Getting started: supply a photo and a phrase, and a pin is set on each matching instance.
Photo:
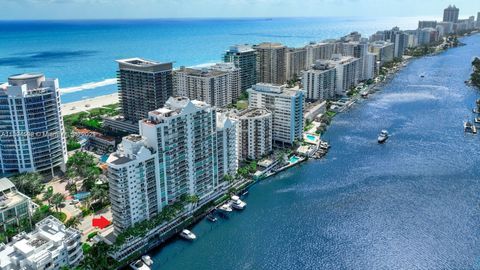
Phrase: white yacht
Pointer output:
(225, 207)
(237, 203)
(147, 260)
(469, 127)
(188, 235)
(139, 265)
(383, 136)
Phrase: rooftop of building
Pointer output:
(9, 195)
(253, 113)
(269, 45)
(48, 235)
(141, 64)
(240, 48)
(201, 71)
(173, 107)
(275, 89)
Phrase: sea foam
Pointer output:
(90, 85)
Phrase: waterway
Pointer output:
(412, 203)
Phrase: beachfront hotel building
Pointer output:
(143, 86)
(217, 85)
(286, 106)
(255, 133)
(133, 183)
(50, 246)
(243, 57)
(15, 207)
(319, 82)
(295, 62)
(450, 14)
(316, 51)
(271, 66)
(32, 132)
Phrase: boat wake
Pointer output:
(86, 86)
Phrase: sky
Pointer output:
(124, 9)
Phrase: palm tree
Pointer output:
(29, 183)
(73, 222)
(57, 200)
(47, 196)
(100, 194)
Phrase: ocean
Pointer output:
(412, 203)
(82, 54)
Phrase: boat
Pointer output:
(147, 260)
(139, 265)
(469, 127)
(186, 234)
(477, 120)
(383, 136)
(364, 94)
(245, 193)
(324, 145)
(211, 217)
(225, 208)
(476, 111)
(422, 76)
(237, 203)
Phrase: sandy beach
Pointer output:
(87, 104)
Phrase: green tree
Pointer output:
(29, 183)
(96, 258)
(47, 196)
(57, 200)
(73, 222)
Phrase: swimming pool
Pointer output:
(293, 159)
(310, 137)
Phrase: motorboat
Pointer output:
(225, 208)
(422, 75)
(147, 260)
(237, 203)
(477, 120)
(364, 94)
(469, 127)
(383, 136)
(139, 265)
(187, 234)
(324, 145)
(211, 217)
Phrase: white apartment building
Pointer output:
(33, 135)
(183, 135)
(347, 72)
(255, 133)
(286, 106)
(14, 205)
(227, 146)
(135, 191)
(319, 82)
(218, 86)
(50, 246)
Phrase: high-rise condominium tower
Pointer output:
(450, 14)
(143, 86)
(32, 133)
(244, 58)
(271, 66)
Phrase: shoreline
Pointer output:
(88, 104)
